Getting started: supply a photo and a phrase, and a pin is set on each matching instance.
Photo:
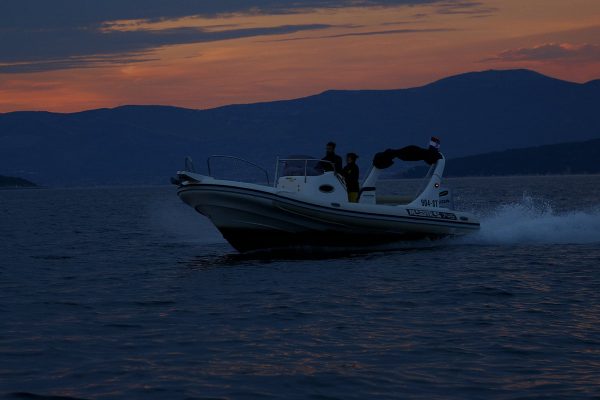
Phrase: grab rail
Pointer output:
(237, 159)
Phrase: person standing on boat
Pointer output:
(350, 174)
(332, 158)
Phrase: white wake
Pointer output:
(532, 221)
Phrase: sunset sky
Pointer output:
(72, 55)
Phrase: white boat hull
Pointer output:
(253, 217)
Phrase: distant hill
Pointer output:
(12, 182)
(473, 113)
(563, 158)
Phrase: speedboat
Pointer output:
(307, 206)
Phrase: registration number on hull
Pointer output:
(431, 214)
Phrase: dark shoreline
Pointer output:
(13, 182)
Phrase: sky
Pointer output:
(74, 55)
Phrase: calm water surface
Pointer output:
(127, 293)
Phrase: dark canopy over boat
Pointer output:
(385, 159)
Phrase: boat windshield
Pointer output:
(302, 166)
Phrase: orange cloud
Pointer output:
(552, 51)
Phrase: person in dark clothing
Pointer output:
(332, 158)
(350, 174)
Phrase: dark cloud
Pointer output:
(38, 35)
(370, 33)
(64, 49)
(73, 62)
(551, 51)
(37, 14)
(395, 23)
(471, 8)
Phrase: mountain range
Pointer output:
(472, 113)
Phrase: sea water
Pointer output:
(125, 293)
